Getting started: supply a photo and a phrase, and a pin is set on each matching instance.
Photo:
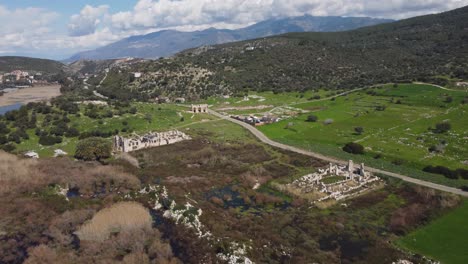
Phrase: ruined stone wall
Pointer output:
(150, 140)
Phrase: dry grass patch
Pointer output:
(124, 216)
(16, 173)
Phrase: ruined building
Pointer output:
(201, 108)
(152, 139)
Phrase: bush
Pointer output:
(448, 173)
(47, 140)
(354, 148)
(359, 130)
(93, 149)
(442, 127)
(312, 118)
(8, 147)
(72, 132)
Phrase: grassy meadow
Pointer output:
(396, 137)
(445, 239)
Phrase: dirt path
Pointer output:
(28, 95)
(438, 86)
(270, 142)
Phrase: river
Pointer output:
(7, 108)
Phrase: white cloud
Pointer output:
(87, 21)
(20, 26)
(192, 13)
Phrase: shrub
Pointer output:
(47, 140)
(8, 147)
(354, 148)
(442, 127)
(312, 118)
(93, 149)
(380, 108)
(398, 162)
(448, 173)
(72, 132)
(359, 130)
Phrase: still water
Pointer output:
(7, 108)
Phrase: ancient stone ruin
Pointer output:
(201, 108)
(150, 140)
(336, 182)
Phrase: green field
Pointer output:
(396, 138)
(445, 239)
(267, 100)
(149, 117)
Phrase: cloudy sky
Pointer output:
(59, 28)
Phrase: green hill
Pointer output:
(11, 63)
(429, 48)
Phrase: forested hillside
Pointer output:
(427, 48)
(11, 63)
(417, 48)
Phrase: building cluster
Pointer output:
(355, 180)
(150, 140)
(257, 121)
(18, 76)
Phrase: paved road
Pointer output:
(270, 142)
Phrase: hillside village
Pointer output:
(19, 78)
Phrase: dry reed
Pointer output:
(124, 216)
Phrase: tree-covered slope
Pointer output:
(11, 63)
(424, 48)
(411, 49)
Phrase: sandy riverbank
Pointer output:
(32, 94)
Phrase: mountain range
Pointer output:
(168, 42)
(431, 48)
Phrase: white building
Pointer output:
(137, 74)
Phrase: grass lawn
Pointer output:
(445, 239)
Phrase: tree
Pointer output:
(359, 130)
(47, 140)
(354, 148)
(312, 118)
(93, 149)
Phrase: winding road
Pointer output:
(270, 142)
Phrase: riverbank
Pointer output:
(28, 95)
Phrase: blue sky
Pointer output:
(57, 29)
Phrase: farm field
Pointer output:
(396, 137)
(148, 117)
(444, 239)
